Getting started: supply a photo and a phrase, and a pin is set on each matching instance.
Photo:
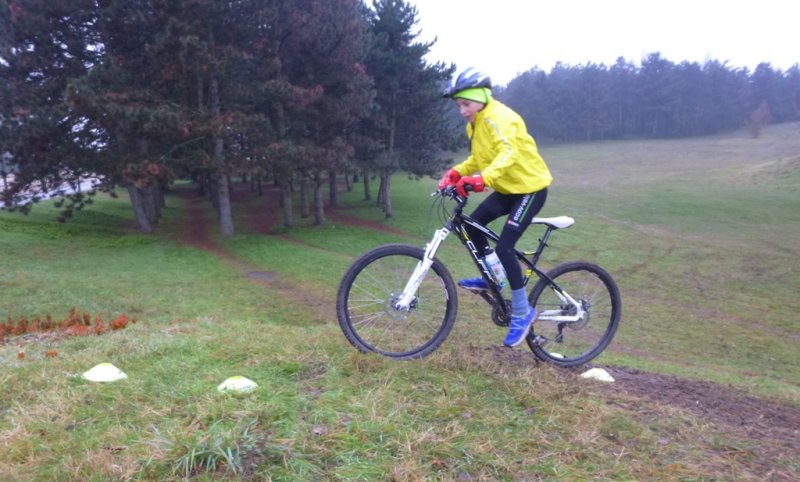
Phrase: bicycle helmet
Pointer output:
(468, 78)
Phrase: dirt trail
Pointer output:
(260, 219)
(771, 430)
(768, 430)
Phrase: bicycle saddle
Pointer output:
(557, 222)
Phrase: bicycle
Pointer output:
(400, 301)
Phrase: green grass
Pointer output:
(700, 235)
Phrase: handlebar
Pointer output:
(452, 193)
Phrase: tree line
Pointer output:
(659, 99)
(290, 92)
(299, 94)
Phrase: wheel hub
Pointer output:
(583, 320)
(395, 313)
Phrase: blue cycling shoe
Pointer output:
(475, 284)
(519, 328)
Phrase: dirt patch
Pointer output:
(766, 434)
(338, 215)
(262, 275)
(762, 435)
(724, 406)
(197, 230)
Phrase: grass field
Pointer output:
(700, 234)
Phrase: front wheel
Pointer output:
(565, 340)
(370, 290)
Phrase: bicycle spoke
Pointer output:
(575, 334)
(368, 312)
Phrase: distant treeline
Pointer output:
(660, 99)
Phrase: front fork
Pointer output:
(408, 295)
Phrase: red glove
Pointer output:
(475, 181)
(450, 178)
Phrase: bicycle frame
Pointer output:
(457, 222)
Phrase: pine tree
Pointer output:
(328, 92)
(45, 44)
(410, 119)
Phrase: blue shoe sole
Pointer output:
(470, 284)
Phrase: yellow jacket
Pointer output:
(504, 153)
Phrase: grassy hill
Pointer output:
(701, 235)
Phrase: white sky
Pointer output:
(507, 37)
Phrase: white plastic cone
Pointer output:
(104, 372)
(237, 384)
(598, 374)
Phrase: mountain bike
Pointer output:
(400, 301)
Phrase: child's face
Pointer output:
(469, 108)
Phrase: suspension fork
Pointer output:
(409, 292)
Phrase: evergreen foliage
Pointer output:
(659, 99)
(136, 93)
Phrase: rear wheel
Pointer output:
(368, 293)
(575, 342)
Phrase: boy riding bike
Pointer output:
(506, 159)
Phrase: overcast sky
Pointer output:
(507, 37)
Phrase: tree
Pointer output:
(45, 44)
(322, 57)
(129, 98)
(621, 82)
(768, 86)
(594, 97)
(725, 100)
(188, 77)
(657, 95)
(529, 95)
(410, 119)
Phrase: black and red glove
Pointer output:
(475, 181)
(450, 178)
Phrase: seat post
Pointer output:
(542, 244)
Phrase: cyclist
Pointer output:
(505, 158)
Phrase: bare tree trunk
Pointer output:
(223, 183)
(319, 207)
(225, 213)
(386, 178)
(348, 182)
(138, 208)
(305, 210)
(379, 198)
(367, 193)
(333, 188)
(387, 195)
(213, 191)
(284, 181)
(162, 198)
(149, 203)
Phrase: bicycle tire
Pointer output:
(575, 343)
(364, 304)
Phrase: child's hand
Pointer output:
(450, 178)
(476, 183)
